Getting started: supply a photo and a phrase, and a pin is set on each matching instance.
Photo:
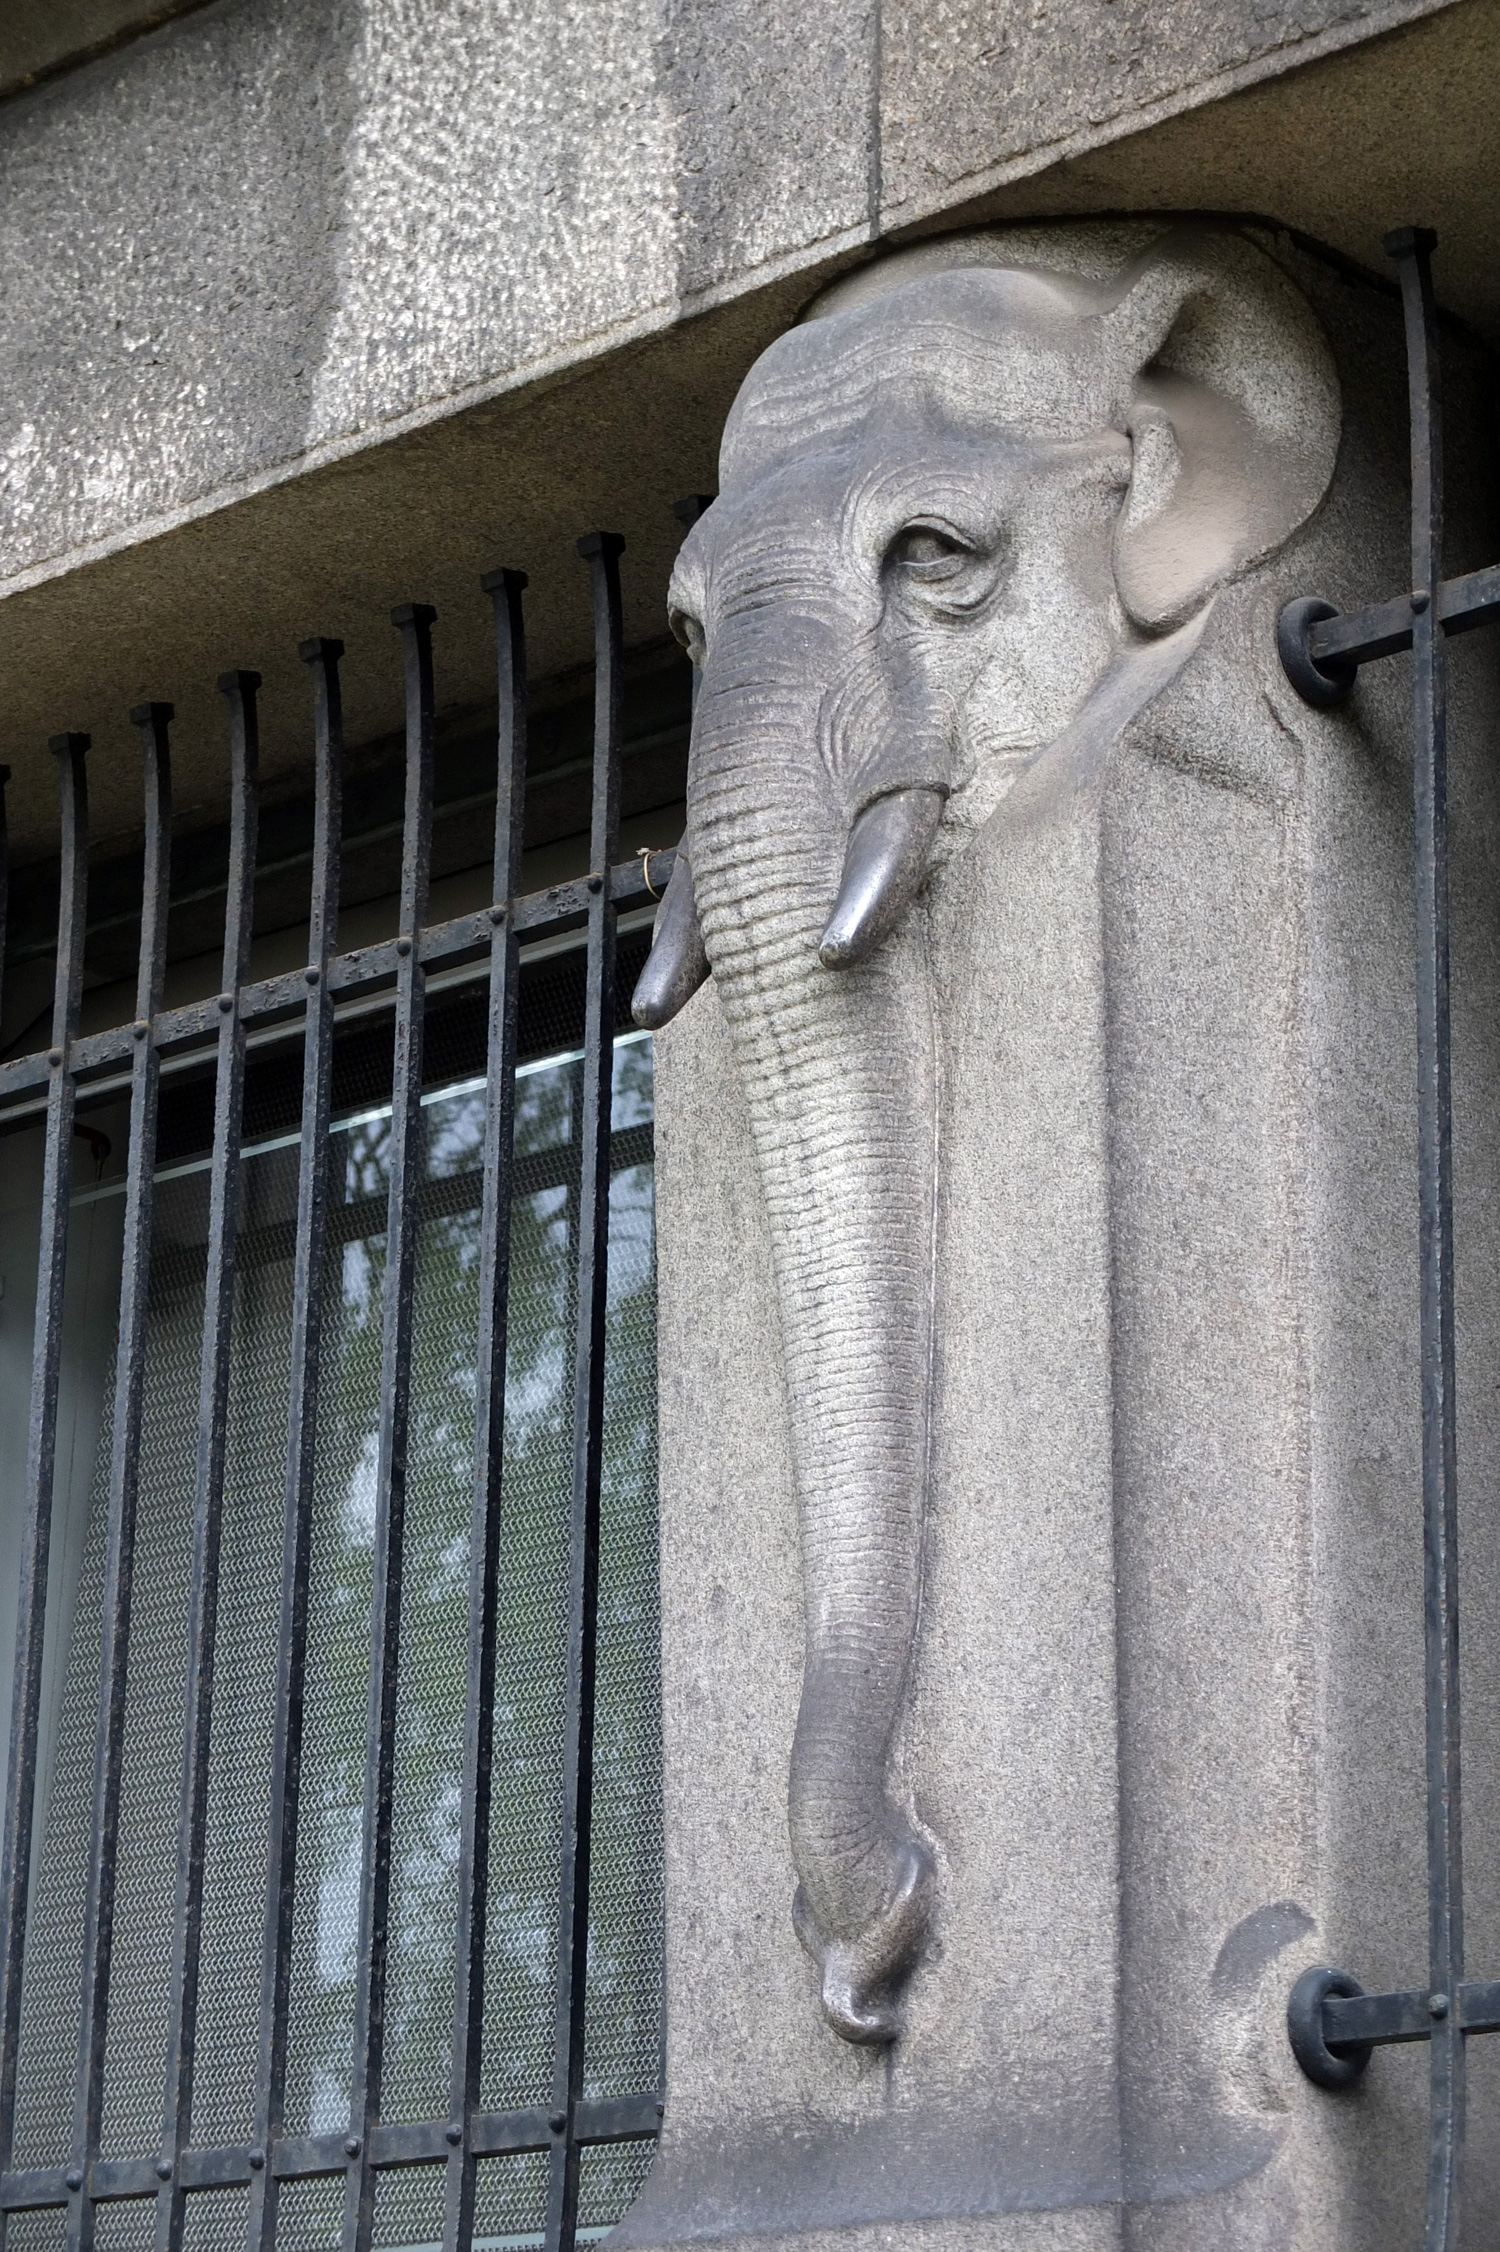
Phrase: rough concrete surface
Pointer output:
(1166, 1713)
(278, 227)
(312, 306)
(38, 37)
(967, 88)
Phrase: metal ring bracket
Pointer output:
(1328, 2068)
(1326, 683)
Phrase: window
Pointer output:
(559, 2130)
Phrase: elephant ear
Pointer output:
(1227, 388)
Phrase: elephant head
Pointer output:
(976, 479)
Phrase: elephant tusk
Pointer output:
(885, 861)
(677, 963)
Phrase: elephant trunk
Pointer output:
(838, 1075)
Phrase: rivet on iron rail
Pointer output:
(140, 1028)
(557, 2120)
(73, 2178)
(164, 2169)
(226, 1003)
(1437, 2005)
(596, 883)
(403, 946)
(497, 914)
(351, 2146)
(54, 1057)
(257, 2159)
(453, 2133)
(1419, 599)
(310, 974)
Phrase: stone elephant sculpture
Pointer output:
(987, 488)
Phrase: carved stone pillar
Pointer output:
(1162, 1720)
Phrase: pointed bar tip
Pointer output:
(1410, 242)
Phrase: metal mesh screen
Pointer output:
(624, 1991)
(609, 2176)
(511, 2202)
(45, 2231)
(146, 1858)
(623, 2036)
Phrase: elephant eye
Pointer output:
(926, 553)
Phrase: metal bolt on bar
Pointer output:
(322, 656)
(153, 722)
(1333, 2025)
(505, 589)
(41, 1436)
(415, 621)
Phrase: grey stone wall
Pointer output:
(276, 230)
(1166, 1713)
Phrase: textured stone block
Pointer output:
(972, 94)
(1165, 1718)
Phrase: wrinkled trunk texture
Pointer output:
(837, 1071)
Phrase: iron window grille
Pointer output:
(1333, 2025)
(560, 2132)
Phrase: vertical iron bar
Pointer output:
(601, 550)
(153, 721)
(415, 621)
(1411, 248)
(296, 1538)
(239, 690)
(41, 1436)
(4, 879)
(505, 589)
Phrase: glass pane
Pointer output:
(531, 1680)
(409, 2208)
(510, 2203)
(310, 2214)
(46, 2231)
(217, 2220)
(609, 2176)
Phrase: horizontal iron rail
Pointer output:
(1377, 2020)
(1385, 628)
(462, 942)
(423, 2142)
(444, 811)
